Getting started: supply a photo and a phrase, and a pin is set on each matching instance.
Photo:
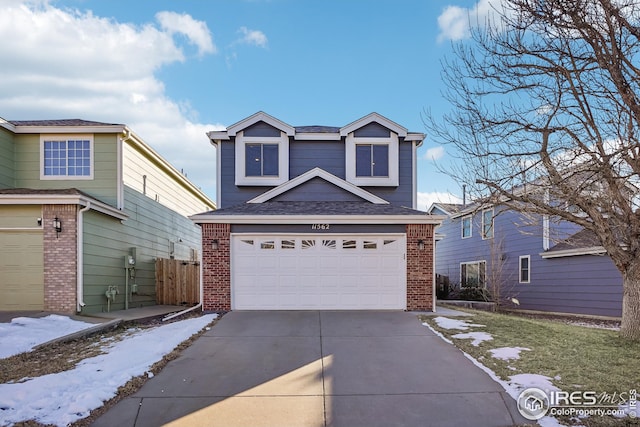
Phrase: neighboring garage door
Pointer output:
(318, 271)
(21, 267)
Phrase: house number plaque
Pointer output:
(320, 226)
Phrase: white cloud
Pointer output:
(196, 31)
(455, 21)
(425, 200)
(64, 63)
(434, 153)
(252, 37)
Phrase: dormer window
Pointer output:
(262, 160)
(372, 161)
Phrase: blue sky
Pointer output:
(173, 70)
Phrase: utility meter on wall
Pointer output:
(129, 261)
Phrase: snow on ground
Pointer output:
(24, 333)
(508, 353)
(477, 337)
(446, 323)
(93, 380)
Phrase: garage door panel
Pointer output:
(318, 272)
(22, 270)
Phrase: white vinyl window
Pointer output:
(524, 269)
(466, 226)
(262, 160)
(473, 274)
(372, 161)
(66, 157)
(487, 224)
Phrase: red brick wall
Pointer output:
(420, 267)
(60, 258)
(216, 267)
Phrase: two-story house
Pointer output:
(85, 209)
(547, 265)
(317, 217)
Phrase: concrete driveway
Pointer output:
(316, 369)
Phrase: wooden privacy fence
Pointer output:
(177, 282)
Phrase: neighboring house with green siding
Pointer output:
(78, 199)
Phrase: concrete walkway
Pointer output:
(318, 369)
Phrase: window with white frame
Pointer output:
(262, 160)
(372, 161)
(66, 157)
(525, 269)
(466, 226)
(473, 274)
(487, 223)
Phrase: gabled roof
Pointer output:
(318, 173)
(373, 117)
(584, 242)
(260, 116)
(315, 131)
(447, 208)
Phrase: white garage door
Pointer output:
(293, 272)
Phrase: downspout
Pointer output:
(180, 313)
(80, 259)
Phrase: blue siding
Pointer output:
(580, 284)
(306, 155)
(261, 129)
(317, 189)
(372, 130)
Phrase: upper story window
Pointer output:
(262, 160)
(66, 157)
(466, 226)
(487, 224)
(372, 161)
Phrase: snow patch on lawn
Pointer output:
(94, 380)
(477, 337)
(25, 333)
(508, 353)
(446, 323)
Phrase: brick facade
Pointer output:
(420, 267)
(216, 269)
(60, 258)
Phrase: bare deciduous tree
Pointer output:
(545, 118)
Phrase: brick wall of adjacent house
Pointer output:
(420, 264)
(216, 267)
(60, 258)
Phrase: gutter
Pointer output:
(80, 259)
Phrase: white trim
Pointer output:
(260, 116)
(120, 173)
(80, 258)
(283, 160)
(462, 236)
(7, 125)
(21, 229)
(373, 117)
(67, 137)
(374, 181)
(318, 173)
(218, 146)
(61, 199)
(414, 176)
(520, 258)
(316, 219)
(593, 250)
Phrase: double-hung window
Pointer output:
(473, 274)
(487, 223)
(466, 226)
(525, 269)
(66, 157)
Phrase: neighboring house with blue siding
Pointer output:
(77, 200)
(546, 265)
(317, 217)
